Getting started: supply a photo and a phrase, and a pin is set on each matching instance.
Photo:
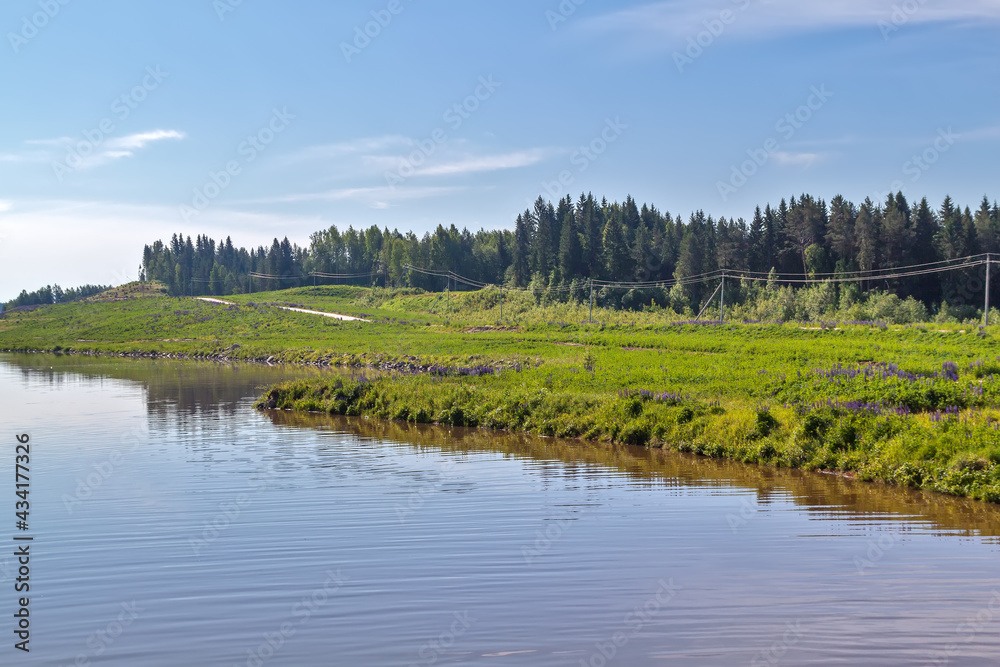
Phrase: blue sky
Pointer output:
(125, 122)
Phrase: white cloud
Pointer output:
(125, 147)
(82, 154)
(5, 205)
(787, 159)
(133, 142)
(372, 195)
(26, 156)
(375, 156)
(485, 163)
(669, 24)
(981, 134)
(353, 147)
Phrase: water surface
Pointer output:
(174, 525)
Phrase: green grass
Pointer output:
(750, 393)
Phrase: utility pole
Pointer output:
(501, 304)
(591, 317)
(722, 300)
(986, 316)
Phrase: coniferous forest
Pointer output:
(55, 294)
(555, 249)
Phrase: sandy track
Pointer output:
(345, 318)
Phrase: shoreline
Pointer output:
(782, 437)
(407, 367)
(911, 407)
(697, 429)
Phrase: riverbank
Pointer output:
(916, 406)
(952, 450)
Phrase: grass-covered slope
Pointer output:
(914, 405)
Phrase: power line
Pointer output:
(889, 273)
(343, 276)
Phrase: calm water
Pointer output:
(176, 526)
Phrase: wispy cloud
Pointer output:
(25, 156)
(474, 165)
(981, 134)
(377, 197)
(365, 145)
(805, 160)
(127, 146)
(670, 23)
(133, 142)
(5, 206)
(68, 151)
(373, 156)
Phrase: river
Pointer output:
(174, 525)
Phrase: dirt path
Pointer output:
(345, 318)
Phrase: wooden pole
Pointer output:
(591, 316)
(722, 300)
(986, 316)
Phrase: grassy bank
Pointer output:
(909, 405)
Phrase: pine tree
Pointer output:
(691, 263)
(868, 236)
(521, 273)
(546, 244)
(840, 231)
(570, 250)
(757, 249)
(616, 251)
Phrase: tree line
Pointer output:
(54, 294)
(557, 248)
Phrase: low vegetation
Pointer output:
(912, 405)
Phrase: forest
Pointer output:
(54, 294)
(555, 249)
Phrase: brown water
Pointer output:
(236, 538)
